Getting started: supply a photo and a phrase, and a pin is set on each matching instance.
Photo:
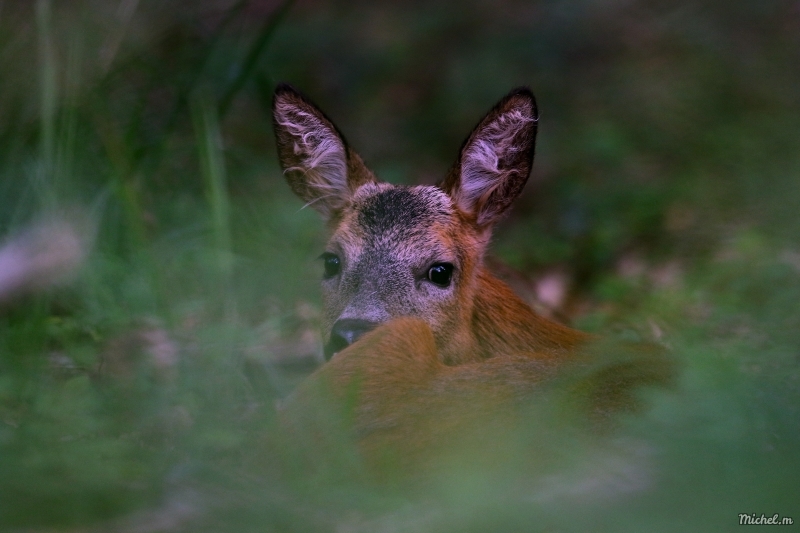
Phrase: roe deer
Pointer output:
(451, 344)
(398, 251)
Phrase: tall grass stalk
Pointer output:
(48, 102)
(255, 53)
(66, 141)
(212, 163)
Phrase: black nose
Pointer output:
(344, 333)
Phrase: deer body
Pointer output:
(426, 346)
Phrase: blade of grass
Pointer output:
(48, 98)
(212, 163)
(122, 178)
(125, 12)
(256, 50)
(68, 123)
(147, 161)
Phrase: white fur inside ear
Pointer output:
(480, 167)
(319, 152)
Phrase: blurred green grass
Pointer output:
(139, 396)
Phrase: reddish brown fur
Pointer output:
(505, 325)
(410, 414)
(408, 408)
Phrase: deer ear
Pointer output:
(315, 158)
(496, 159)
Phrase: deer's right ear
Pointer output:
(316, 161)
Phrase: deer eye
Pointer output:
(332, 264)
(441, 274)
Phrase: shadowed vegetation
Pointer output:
(158, 283)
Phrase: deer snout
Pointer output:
(345, 332)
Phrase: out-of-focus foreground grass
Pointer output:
(158, 285)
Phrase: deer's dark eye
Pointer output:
(332, 264)
(441, 274)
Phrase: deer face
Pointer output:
(403, 251)
(398, 251)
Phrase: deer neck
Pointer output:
(503, 324)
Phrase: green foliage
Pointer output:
(139, 394)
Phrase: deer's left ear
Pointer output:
(496, 159)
